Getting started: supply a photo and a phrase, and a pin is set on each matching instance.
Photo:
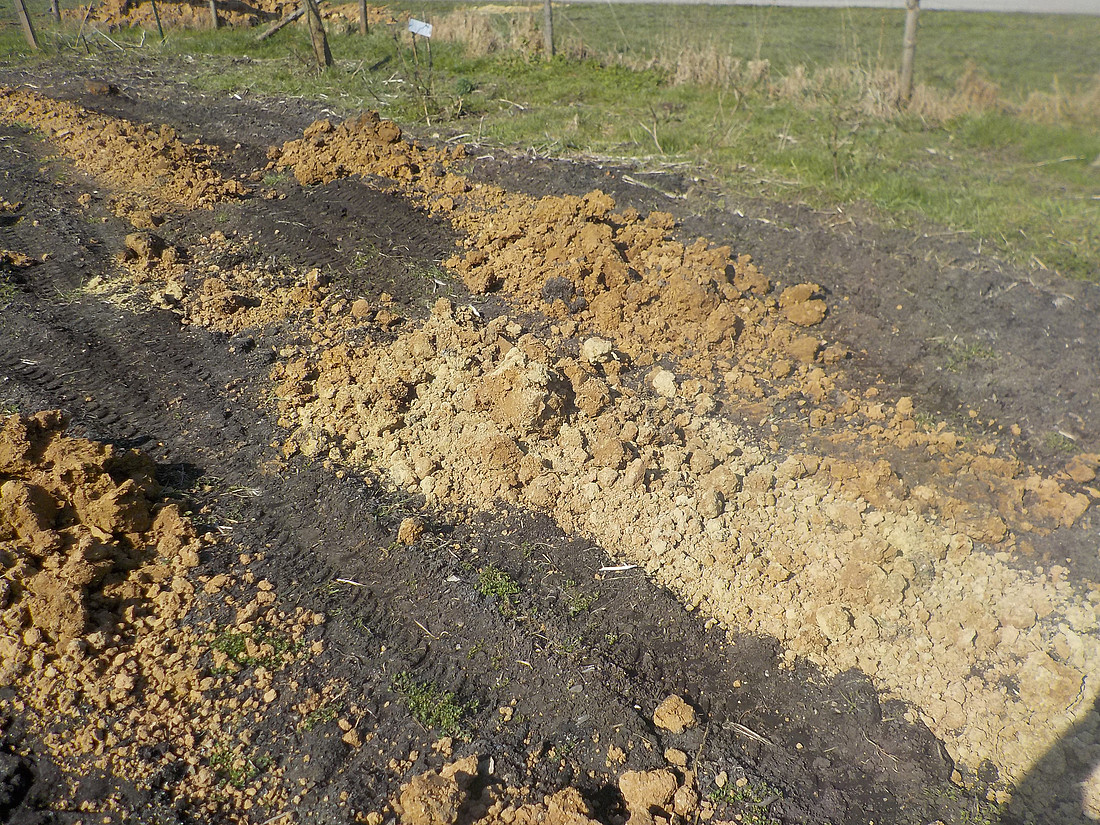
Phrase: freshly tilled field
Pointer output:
(488, 444)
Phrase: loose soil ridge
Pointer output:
(660, 397)
(890, 589)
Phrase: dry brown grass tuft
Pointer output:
(1057, 106)
(709, 66)
(758, 70)
(796, 83)
(482, 33)
(712, 65)
(976, 91)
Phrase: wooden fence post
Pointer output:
(214, 14)
(363, 28)
(317, 34)
(55, 10)
(548, 28)
(909, 48)
(25, 20)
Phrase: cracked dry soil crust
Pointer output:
(485, 460)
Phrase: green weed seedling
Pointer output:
(577, 602)
(320, 716)
(275, 178)
(750, 794)
(433, 708)
(497, 584)
(259, 648)
(961, 355)
(237, 769)
(1059, 444)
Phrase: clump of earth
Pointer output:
(99, 648)
(446, 797)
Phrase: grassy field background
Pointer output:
(1001, 141)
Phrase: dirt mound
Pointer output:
(190, 15)
(96, 587)
(465, 413)
(623, 276)
(131, 158)
(345, 17)
(206, 293)
(366, 145)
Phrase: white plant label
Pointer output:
(420, 27)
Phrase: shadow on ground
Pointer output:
(1053, 791)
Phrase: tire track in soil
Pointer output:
(674, 655)
(368, 241)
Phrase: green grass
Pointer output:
(790, 37)
(818, 127)
(961, 354)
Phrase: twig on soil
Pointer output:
(244, 492)
(351, 581)
(699, 752)
(748, 733)
(618, 568)
(431, 635)
(1065, 159)
(109, 40)
(882, 752)
(666, 193)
